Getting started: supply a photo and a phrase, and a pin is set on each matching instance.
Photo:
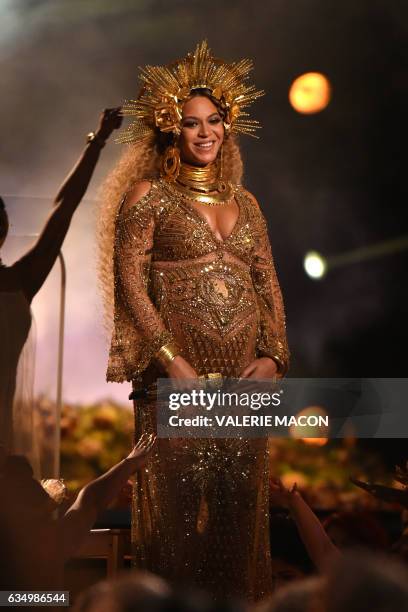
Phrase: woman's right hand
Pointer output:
(182, 374)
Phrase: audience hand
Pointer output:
(110, 120)
(138, 456)
(280, 495)
(387, 494)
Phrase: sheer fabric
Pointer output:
(17, 359)
(28, 426)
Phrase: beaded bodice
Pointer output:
(176, 281)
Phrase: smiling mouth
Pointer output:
(204, 145)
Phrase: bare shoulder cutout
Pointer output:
(137, 192)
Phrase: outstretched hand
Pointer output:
(110, 120)
(280, 495)
(387, 494)
(140, 452)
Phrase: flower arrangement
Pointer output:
(93, 439)
(322, 472)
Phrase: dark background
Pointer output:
(331, 182)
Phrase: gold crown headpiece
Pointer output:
(166, 88)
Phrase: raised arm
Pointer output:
(320, 548)
(95, 497)
(271, 341)
(33, 268)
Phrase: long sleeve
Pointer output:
(139, 328)
(271, 340)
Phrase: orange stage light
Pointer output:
(310, 93)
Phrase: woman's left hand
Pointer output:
(263, 367)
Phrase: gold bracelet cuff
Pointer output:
(167, 353)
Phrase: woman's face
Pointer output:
(202, 131)
(4, 226)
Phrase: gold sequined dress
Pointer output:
(200, 511)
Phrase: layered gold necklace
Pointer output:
(203, 184)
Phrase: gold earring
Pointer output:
(171, 163)
(221, 184)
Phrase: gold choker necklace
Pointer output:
(202, 183)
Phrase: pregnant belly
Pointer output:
(214, 296)
(211, 310)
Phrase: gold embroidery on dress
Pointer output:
(164, 237)
(200, 507)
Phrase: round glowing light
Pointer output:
(315, 441)
(315, 264)
(310, 93)
(311, 425)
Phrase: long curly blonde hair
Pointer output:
(138, 162)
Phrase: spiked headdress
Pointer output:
(166, 88)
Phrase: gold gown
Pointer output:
(200, 513)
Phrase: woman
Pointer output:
(20, 282)
(195, 293)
